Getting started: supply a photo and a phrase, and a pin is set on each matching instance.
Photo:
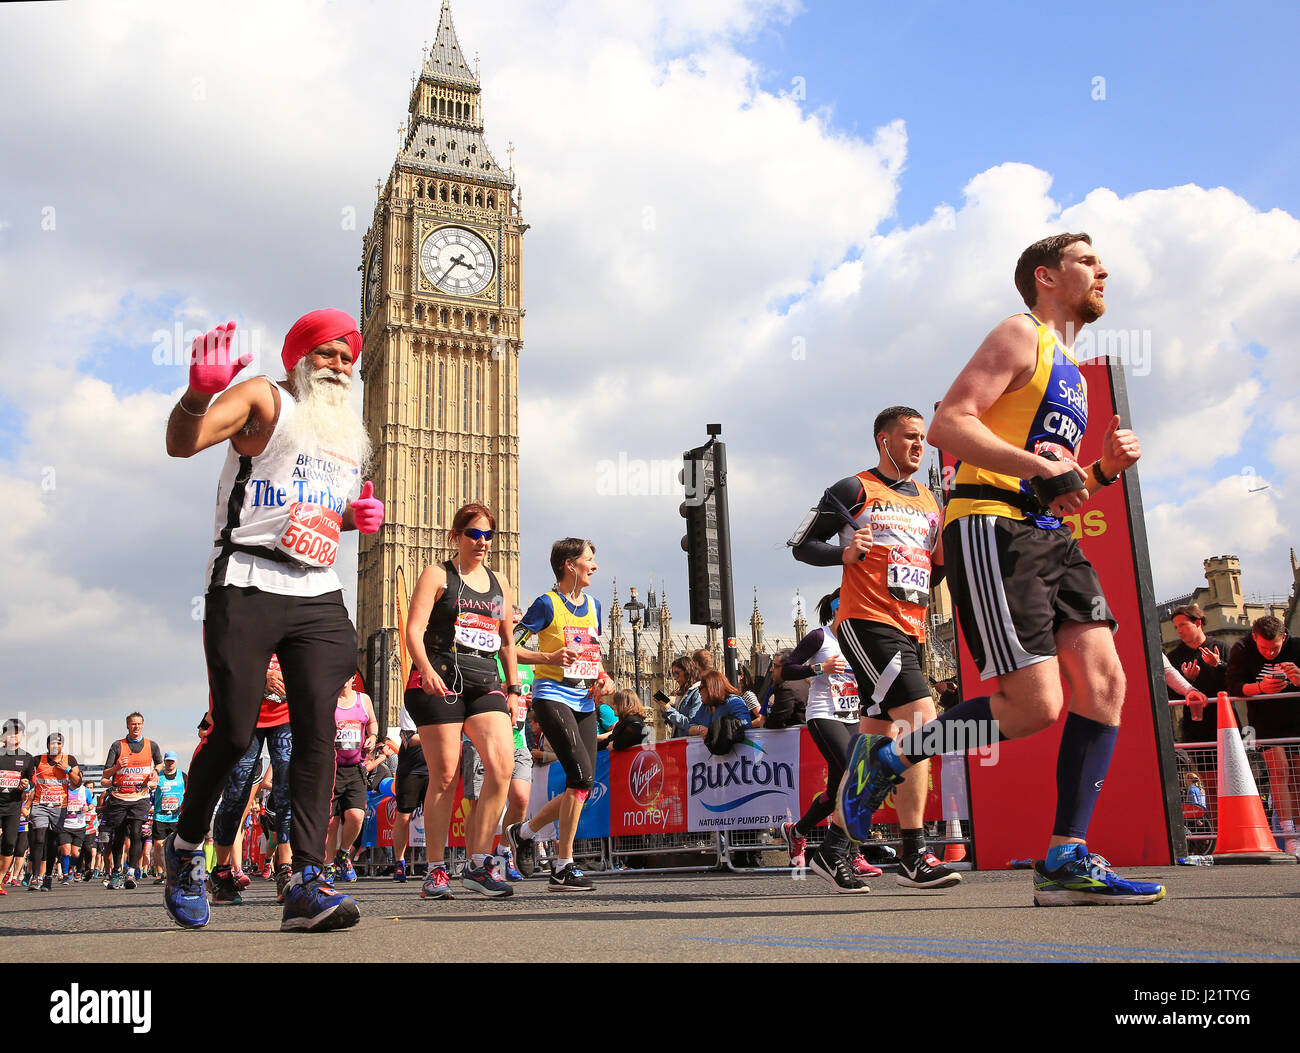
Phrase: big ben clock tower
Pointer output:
(440, 305)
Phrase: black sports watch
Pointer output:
(1099, 476)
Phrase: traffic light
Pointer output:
(703, 554)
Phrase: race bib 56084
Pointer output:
(312, 535)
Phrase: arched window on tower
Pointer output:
(478, 198)
(455, 195)
(442, 400)
(464, 405)
(442, 315)
(491, 200)
(464, 485)
(492, 323)
(437, 496)
(442, 191)
(419, 312)
(419, 188)
(426, 479)
(428, 399)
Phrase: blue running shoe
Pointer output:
(183, 894)
(344, 869)
(437, 885)
(399, 874)
(866, 783)
(1087, 879)
(508, 864)
(485, 879)
(312, 905)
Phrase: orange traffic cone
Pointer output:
(954, 853)
(1244, 835)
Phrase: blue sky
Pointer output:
(202, 163)
(1194, 92)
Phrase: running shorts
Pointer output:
(1014, 585)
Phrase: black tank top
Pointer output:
(465, 625)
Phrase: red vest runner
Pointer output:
(133, 767)
(51, 785)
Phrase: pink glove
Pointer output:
(367, 510)
(211, 369)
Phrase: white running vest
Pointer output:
(288, 502)
(832, 696)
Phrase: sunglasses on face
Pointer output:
(474, 534)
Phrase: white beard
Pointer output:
(323, 419)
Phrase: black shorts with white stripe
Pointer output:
(886, 662)
(1014, 585)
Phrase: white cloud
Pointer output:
(1181, 536)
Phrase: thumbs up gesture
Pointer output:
(1120, 449)
(367, 510)
(211, 368)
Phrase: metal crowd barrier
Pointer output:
(1198, 767)
(1198, 764)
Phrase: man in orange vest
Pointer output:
(55, 774)
(131, 773)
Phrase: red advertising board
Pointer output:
(1013, 802)
(812, 781)
(648, 790)
(387, 809)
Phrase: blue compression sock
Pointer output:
(967, 725)
(1081, 766)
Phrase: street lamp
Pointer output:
(634, 607)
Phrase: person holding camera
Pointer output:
(679, 712)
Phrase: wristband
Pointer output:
(515, 689)
(1099, 476)
(1048, 490)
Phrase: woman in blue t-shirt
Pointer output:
(719, 699)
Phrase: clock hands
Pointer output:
(458, 261)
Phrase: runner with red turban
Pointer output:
(297, 451)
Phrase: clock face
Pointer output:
(373, 275)
(457, 261)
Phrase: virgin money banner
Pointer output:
(648, 790)
(754, 786)
(380, 832)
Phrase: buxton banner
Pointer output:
(754, 786)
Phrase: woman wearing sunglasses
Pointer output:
(461, 618)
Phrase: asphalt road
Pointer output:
(1211, 914)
